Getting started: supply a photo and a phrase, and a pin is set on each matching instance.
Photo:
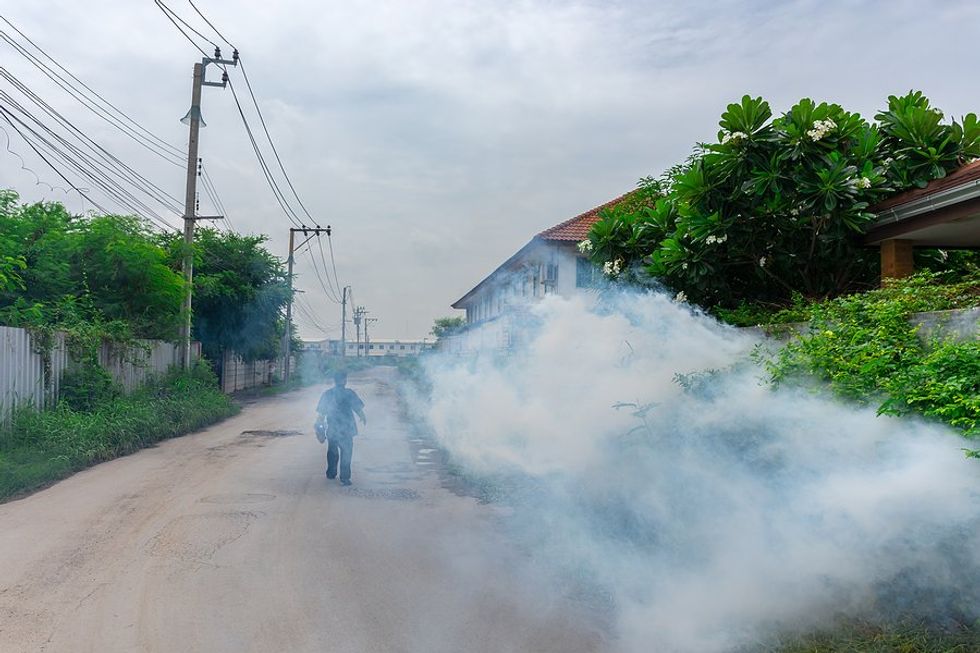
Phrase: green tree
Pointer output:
(773, 207)
(445, 326)
(107, 268)
(240, 291)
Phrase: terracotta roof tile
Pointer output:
(577, 229)
(969, 172)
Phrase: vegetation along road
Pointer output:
(231, 539)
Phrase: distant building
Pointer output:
(373, 348)
(549, 264)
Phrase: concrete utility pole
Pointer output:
(193, 119)
(309, 232)
(367, 341)
(358, 314)
(343, 322)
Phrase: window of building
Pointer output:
(587, 274)
(402, 347)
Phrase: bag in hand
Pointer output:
(321, 431)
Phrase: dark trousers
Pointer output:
(339, 448)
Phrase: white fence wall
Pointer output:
(23, 378)
(25, 382)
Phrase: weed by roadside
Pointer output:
(37, 448)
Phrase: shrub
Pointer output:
(40, 447)
(865, 347)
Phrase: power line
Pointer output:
(106, 103)
(7, 117)
(107, 175)
(212, 192)
(160, 195)
(205, 18)
(277, 192)
(326, 289)
(323, 259)
(85, 100)
(170, 14)
(112, 189)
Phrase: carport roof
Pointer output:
(945, 213)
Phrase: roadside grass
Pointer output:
(38, 448)
(872, 638)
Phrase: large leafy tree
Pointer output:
(445, 326)
(68, 267)
(240, 290)
(773, 207)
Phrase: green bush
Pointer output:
(86, 386)
(39, 447)
(867, 350)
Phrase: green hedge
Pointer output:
(40, 447)
(866, 349)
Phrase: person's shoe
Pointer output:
(345, 482)
(331, 476)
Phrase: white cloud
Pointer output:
(437, 137)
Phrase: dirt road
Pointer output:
(232, 539)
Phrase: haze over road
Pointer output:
(231, 541)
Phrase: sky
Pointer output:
(436, 137)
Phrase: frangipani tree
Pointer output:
(773, 207)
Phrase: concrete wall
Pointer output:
(237, 375)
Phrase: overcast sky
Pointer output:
(437, 137)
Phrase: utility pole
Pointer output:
(310, 233)
(367, 341)
(358, 314)
(343, 322)
(193, 119)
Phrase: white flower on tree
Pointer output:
(585, 246)
(821, 128)
(762, 262)
(680, 297)
(862, 182)
(612, 268)
(734, 137)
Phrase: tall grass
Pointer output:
(40, 447)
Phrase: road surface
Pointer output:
(231, 539)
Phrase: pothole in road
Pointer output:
(389, 494)
(273, 434)
(238, 498)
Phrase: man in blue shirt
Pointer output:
(337, 408)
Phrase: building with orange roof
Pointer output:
(549, 264)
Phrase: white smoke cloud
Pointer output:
(726, 512)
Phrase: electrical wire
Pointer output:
(215, 29)
(170, 14)
(323, 259)
(82, 165)
(327, 291)
(90, 104)
(107, 174)
(160, 195)
(6, 116)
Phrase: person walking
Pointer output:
(336, 411)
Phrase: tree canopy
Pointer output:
(240, 290)
(67, 266)
(59, 270)
(773, 207)
(445, 326)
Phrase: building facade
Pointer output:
(400, 348)
(550, 264)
